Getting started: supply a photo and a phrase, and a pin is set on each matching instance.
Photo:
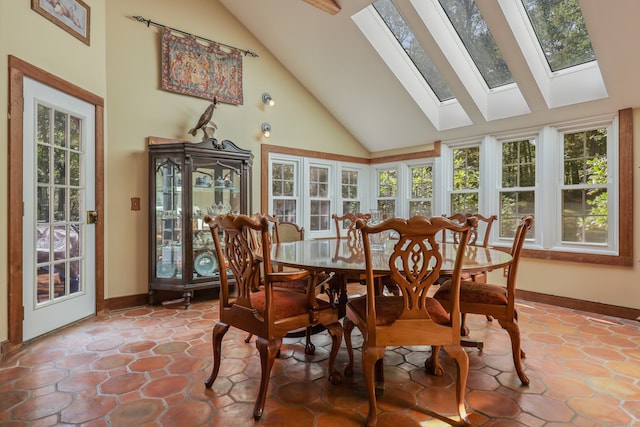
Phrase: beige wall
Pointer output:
(138, 108)
(123, 67)
(30, 37)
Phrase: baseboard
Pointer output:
(577, 304)
(129, 301)
(120, 303)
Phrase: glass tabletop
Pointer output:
(340, 256)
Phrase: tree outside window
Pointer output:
(421, 191)
(387, 192)
(517, 196)
(283, 191)
(350, 195)
(584, 195)
(466, 180)
(319, 198)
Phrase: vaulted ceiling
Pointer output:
(319, 42)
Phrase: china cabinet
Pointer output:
(187, 181)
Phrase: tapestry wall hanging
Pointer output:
(192, 68)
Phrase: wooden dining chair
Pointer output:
(346, 230)
(479, 236)
(271, 312)
(412, 318)
(299, 286)
(289, 232)
(495, 300)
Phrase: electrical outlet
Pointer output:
(135, 203)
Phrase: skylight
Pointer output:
(561, 31)
(558, 52)
(407, 40)
(417, 39)
(477, 39)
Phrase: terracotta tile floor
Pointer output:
(146, 367)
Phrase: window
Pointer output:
(350, 191)
(518, 180)
(563, 175)
(421, 198)
(585, 196)
(477, 39)
(387, 192)
(561, 32)
(466, 180)
(284, 191)
(320, 204)
(407, 40)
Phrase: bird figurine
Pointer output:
(204, 120)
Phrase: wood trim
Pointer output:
(309, 153)
(581, 305)
(625, 185)
(434, 152)
(18, 69)
(329, 6)
(129, 301)
(15, 208)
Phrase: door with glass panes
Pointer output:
(59, 203)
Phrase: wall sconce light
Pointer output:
(266, 130)
(267, 99)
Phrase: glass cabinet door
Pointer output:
(168, 239)
(216, 190)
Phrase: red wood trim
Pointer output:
(329, 6)
(625, 185)
(581, 305)
(435, 152)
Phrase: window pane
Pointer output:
(466, 168)
(413, 49)
(353, 207)
(513, 206)
(349, 184)
(44, 121)
(60, 129)
(387, 183)
(518, 164)
(285, 210)
(465, 202)
(421, 182)
(43, 204)
(318, 182)
(420, 209)
(43, 163)
(561, 31)
(282, 180)
(320, 217)
(585, 158)
(474, 33)
(584, 215)
(387, 208)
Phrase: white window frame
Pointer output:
(430, 163)
(330, 197)
(282, 159)
(399, 210)
(363, 180)
(549, 183)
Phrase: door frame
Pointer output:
(18, 69)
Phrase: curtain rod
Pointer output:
(150, 22)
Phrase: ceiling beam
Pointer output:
(329, 6)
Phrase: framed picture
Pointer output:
(73, 16)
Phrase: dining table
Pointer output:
(344, 258)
